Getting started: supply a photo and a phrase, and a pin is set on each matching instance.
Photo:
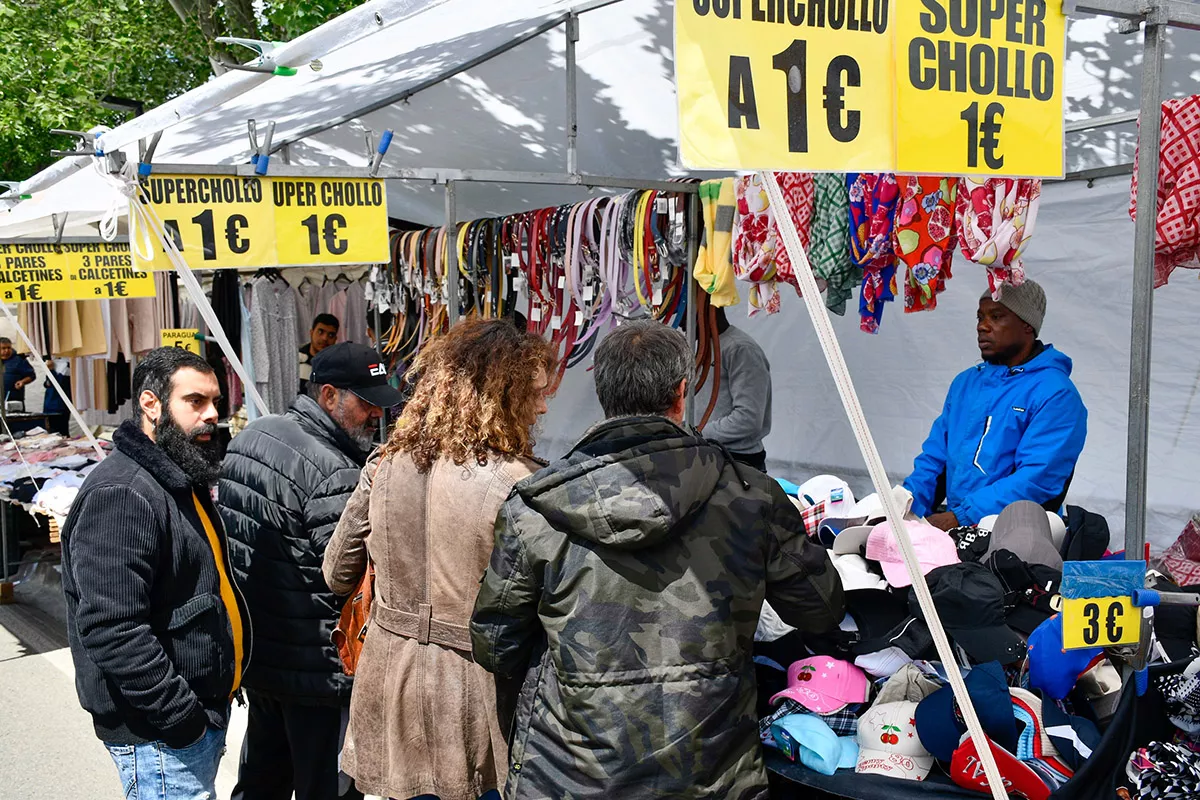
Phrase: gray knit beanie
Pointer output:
(1027, 301)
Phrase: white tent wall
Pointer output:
(1080, 254)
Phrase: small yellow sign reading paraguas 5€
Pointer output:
(186, 338)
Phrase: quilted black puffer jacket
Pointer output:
(284, 484)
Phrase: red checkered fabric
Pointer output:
(812, 516)
(1177, 230)
(1182, 560)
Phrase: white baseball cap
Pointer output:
(856, 573)
(888, 743)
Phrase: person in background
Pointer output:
(157, 628)
(323, 334)
(625, 586)
(283, 487)
(1012, 427)
(18, 372)
(741, 418)
(53, 405)
(425, 718)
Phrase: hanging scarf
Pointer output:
(830, 251)
(1177, 229)
(755, 243)
(799, 192)
(714, 270)
(872, 214)
(924, 238)
(996, 218)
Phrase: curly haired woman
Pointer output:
(423, 716)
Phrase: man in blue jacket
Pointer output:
(1012, 427)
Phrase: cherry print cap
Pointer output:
(825, 685)
(888, 743)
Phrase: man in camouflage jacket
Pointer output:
(626, 584)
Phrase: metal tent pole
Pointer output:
(1143, 284)
(452, 299)
(693, 206)
(572, 98)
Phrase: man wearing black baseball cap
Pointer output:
(284, 484)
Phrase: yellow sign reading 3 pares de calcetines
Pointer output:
(937, 87)
(31, 273)
(250, 222)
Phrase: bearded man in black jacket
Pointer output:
(283, 487)
(159, 633)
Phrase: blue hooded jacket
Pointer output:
(1005, 434)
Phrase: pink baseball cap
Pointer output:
(825, 685)
(933, 548)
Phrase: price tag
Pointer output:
(658, 296)
(589, 293)
(32, 273)
(1100, 622)
(936, 87)
(562, 281)
(535, 314)
(660, 206)
(184, 338)
(216, 221)
(1098, 608)
(578, 318)
(512, 261)
(555, 322)
(786, 86)
(330, 221)
(973, 91)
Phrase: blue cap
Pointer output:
(940, 722)
(820, 749)
(1052, 668)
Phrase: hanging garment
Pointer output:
(714, 268)
(996, 217)
(354, 326)
(754, 244)
(144, 329)
(306, 307)
(67, 334)
(830, 251)
(872, 214)
(337, 307)
(925, 237)
(1177, 229)
(273, 331)
(800, 195)
(244, 294)
(227, 305)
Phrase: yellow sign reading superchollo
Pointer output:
(940, 87)
(31, 273)
(224, 221)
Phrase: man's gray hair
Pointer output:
(639, 367)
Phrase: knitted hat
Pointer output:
(1027, 301)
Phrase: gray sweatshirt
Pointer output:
(742, 416)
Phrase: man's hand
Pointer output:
(944, 521)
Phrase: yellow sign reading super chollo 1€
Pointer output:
(941, 87)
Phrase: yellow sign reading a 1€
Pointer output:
(1100, 622)
(31, 273)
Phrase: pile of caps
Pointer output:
(872, 696)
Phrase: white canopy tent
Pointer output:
(473, 87)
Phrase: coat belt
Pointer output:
(422, 626)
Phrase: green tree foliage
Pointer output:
(61, 60)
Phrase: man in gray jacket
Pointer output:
(741, 418)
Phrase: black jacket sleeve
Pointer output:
(113, 561)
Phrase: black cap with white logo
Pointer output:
(357, 368)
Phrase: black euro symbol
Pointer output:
(236, 243)
(1112, 628)
(989, 138)
(334, 245)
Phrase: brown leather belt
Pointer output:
(421, 626)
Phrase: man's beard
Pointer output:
(200, 461)
(362, 435)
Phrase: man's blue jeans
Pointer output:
(153, 771)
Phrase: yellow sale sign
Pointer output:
(31, 273)
(1100, 622)
(785, 85)
(223, 221)
(979, 90)
(937, 87)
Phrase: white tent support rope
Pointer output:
(895, 515)
(145, 220)
(37, 359)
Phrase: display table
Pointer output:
(794, 780)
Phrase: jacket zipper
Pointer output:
(987, 427)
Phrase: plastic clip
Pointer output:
(265, 63)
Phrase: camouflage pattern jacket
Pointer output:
(626, 585)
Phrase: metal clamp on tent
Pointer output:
(85, 146)
(261, 153)
(385, 142)
(146, 155)
(265, 63)
(59, 227)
